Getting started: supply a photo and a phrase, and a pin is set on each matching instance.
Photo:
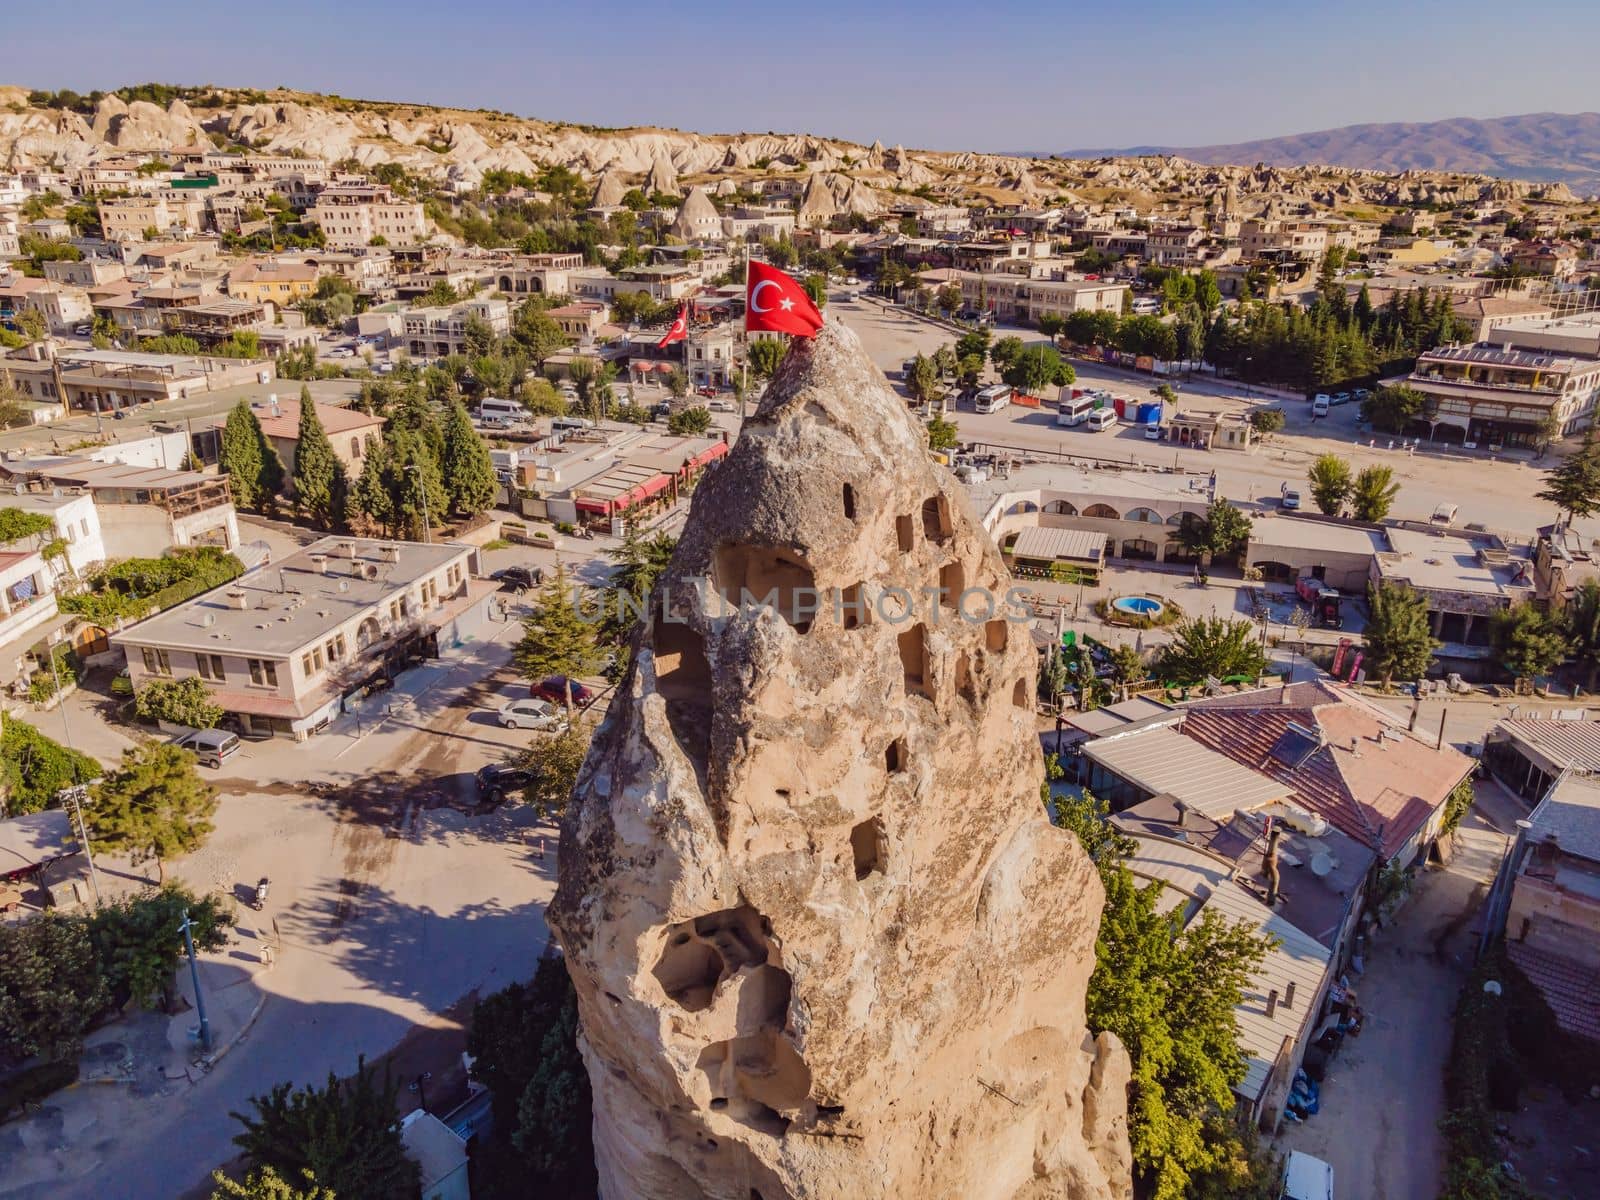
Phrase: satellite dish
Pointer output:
(1322, 864)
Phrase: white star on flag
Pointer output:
(786, 304)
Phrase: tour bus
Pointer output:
(992, 399)
(1075, 410)
(1101, 419)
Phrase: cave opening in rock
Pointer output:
(849, 502)
(903, 532)
(952, 582)
(683, 680)
(869, 847)
(913, 645)
(752, 577)
(853, 607)
(1019, 694)
(894, 756)
(936, 518)
(701, 953)
(994, 636)
(966, 686)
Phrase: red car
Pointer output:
(554, 689)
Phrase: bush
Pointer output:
(1479, 1053)
(33, 768)
(32, 1084)
(134, 587)
(178, 701)
(43, 684)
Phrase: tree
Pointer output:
(942, 434)
(344, 1135)
(1574, 486)
(1168, 991)
(1052, 325)
(467, 470)
(252, 465)
(154, 805)
(816, 286)
(1212, 646)
(1373, 492)
(557, 638)
(1005, 352)
(677, 383)
(1528, 640)
(50, 987)
(321, 488)
(1267, 420)
(948, 298)
(1392, 409)
(31, 325)
(478, 336)
(640, 560)
(922, 379)
(267, 1184)
(1581, 617)
(1330, 483)
(138, 940)
(976, 342)
(537, 333)
(764, 355)
(1222, 531)
(184, 702)
(524, 1048)
(13, 411)
(1400, 640)
(1037, 368)
(33, 768)
(1127, 665)
(539, 396)
(553, 767)
(689, 422)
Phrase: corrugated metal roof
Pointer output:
(1570, 813)
(1569, 743)
(1297, 956)
(1163, 760)
(1084, 545)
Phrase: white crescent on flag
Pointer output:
(755, 295)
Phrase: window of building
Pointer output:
(209, 666)
(263, 673)
(305, 665)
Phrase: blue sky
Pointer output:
(998, 75)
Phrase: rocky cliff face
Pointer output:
(824, 941)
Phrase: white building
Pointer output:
(74, 521)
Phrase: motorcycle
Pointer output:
(260, 901)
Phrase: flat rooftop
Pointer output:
(1569, 815)
(1076, 545)
(291, 603)
(1120, 489)
(1304, 533)
(1163, 761)
(1486, 355)
(1442, 562)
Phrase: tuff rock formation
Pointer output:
(825, 942)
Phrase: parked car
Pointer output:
(554, 689)
(518, 579)
(1101, 419)
(1289, 499)
(1341, 398)
(81, 330)
(1362, 395)
(530, 714)
(1322, 398)
(212, 747)
(1319, 406)
(497, 779)
(1152, 431)
(342, 352)
(723, 406)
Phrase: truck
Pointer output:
(1323, 601)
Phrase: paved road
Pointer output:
(389, 911)
(1496, 491)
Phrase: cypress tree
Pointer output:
(320, 485)
(467, 469)
(239, 457)
(371, 496)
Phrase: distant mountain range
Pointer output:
(1539, 147)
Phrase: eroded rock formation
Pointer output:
(824, 941)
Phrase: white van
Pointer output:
(1319, 406)
(493, 408)
(1145, 306)
(1306, 1178)
(992, 399)
(1101, 419)
(570, 424)
(1075, 412)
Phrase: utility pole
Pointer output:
(194, 977)
(76, 792)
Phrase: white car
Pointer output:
(342, 352)
(722, 406)
(530, 713)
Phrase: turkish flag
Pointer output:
(678, 330)
(777, 302)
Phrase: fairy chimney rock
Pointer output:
(824, 941)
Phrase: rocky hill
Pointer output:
(839, 177)
(1538, 147)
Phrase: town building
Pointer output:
(142, 510)
(100, 381)
(1528, 754)
(442, 331)
(74, 522)
(28, 609)
(1268, 237)
(353, 211)
(1553, 923)
(351, 432)
(581, 321)
(1016, 297)
(1499, 395)
(285, 648)
(1465, 577)
(279, 283)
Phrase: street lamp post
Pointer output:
(427, 526)
(76, 792)
(194, 977)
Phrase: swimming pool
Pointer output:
(1138, 606)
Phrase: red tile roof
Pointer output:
(1571, 989)
(1380, 794)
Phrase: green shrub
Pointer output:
(33, 768)
(134, 587)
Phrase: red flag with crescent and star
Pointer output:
(677, 331)
(777, 302)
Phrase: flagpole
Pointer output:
(744, 388)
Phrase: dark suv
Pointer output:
(497, 780)
(518, 579)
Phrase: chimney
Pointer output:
(1183, 812)
(1269, 864)
(319, 563)
(1272, 1002)
(391, 552)
(1288, 995)
(238, 598)
(272, 404)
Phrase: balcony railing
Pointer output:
(1494, 384)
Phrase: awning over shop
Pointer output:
(620, 488)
